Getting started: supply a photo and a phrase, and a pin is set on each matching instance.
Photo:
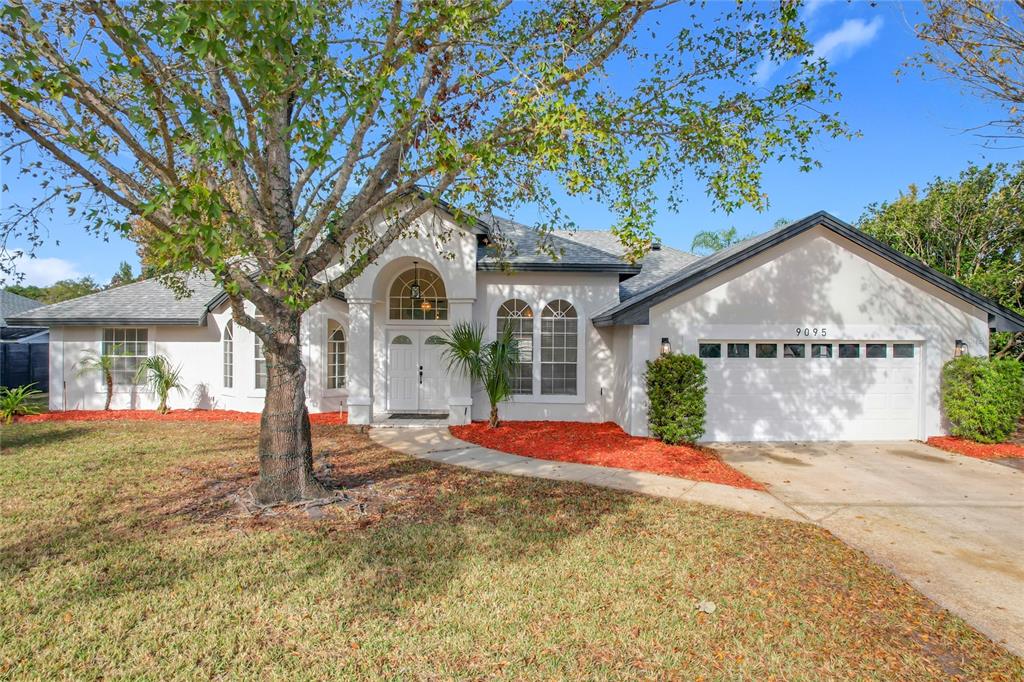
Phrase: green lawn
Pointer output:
(122, 554)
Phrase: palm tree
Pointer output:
(492, 364)
(161, 377)
(707, 242)
(102, 364)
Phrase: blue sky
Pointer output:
(912, 130)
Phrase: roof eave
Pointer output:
(558, 267)
(636, 309)
(110, 321)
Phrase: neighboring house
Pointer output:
(23, 349)
(812, 331)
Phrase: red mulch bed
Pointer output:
(172, 416)
(605, 445)
(974, 449)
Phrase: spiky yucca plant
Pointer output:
(492, 364)
(161, 377)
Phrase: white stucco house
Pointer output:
(811, 331)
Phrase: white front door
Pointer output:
(417, 381)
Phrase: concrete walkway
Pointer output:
(438, 445)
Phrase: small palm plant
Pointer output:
(102, 364)
(161, 377)
(17, 401)
(492, 364)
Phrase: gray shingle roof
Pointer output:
(14, 304)
(145, 302)
(579, 251)
(635, 309)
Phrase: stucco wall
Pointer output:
(199, 353)
(819, 279)
(588, 293)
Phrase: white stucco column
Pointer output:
(460, 389)
(640, 353)
(359, 362)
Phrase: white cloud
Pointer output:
(812, 6)
(834, 46)
(41, 272)
(851, 35)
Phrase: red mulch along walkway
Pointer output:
(605, 445)
(979, 450)
(172, 416)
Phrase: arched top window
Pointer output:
(335, 355)
(434, 340)
(401, 340)
(559, 349)
(518, 316)
(418, 294)
(229, 354)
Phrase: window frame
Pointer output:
(524, 384)
(259, 359)
(439, 301)
(130, 384)
(227, 342)
(579, 377)
(332, 382)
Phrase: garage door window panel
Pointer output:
(766, 351)
(709, 350)
(903, 350)
(821, 350)
(875, 350)
(849, 350)
(794, 350)
(739, 350)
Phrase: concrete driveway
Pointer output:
(952, 526)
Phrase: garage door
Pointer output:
(822, 390)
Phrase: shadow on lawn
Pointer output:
(422, 522)
(38, 436)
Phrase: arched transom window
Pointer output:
(335, 355)
(518, 316)
(418, 294)
(559, 340)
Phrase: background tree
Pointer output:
(709, 241)
(123, 275)
(979, 44)
(970, 228)
(264, 142)
(61, 290)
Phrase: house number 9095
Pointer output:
(811, 331)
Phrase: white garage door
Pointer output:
(815, 390)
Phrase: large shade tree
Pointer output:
(970, 228)
(264, 141)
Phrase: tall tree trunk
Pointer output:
(110, 389)
(285, 445)
(494, 416)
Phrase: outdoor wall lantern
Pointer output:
(414, 288)
(961, 348)
(666, 347)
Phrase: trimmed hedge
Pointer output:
(676, 386)
(983, 399)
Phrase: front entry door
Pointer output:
(417, 381)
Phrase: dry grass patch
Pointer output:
(123, 553)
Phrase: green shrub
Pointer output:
(18, 401)
(983, 399)
(676, 385)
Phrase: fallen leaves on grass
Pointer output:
(324, 418)
(604, 445)
(974, 449)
